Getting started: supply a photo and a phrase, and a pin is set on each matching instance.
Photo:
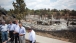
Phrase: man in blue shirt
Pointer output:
(11, 30)
(16, 31)
(22, 33)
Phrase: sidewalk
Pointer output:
(42, 39)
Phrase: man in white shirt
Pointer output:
(16, 31)
(22, 33)
(11, 30)
(32, 37)
(4, 30)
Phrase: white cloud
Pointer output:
(7, 7)
(7, 4)
(5, 1)
(59, 4)
(66, 4)
(41, 4)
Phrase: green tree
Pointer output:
(54, 10)
(19, 8)
(73, 13)
(2, 10)
(32, 12)
(27, 11)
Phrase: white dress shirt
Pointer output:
(22, 30)
(32, 36)
(4, 27)
(11, 27)
(16, 28)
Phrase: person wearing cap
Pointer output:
(16, 31)
(4, 33)
(32, 37)
(11, 30)
(22, 33)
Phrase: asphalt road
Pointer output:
(42, 39)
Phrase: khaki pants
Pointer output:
(22, 39)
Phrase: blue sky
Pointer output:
(41, 4)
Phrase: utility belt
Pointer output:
(23, 35)
(3, 31)
(11, 31)
(16, 33)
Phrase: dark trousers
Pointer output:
(16, 37)
(31, 42)
(11, 35)
(0, 37)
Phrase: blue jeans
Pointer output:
(4, 36)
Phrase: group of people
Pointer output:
(16, 32)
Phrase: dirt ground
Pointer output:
(69, 36)
(51, 36)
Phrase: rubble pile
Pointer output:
(54, 27)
